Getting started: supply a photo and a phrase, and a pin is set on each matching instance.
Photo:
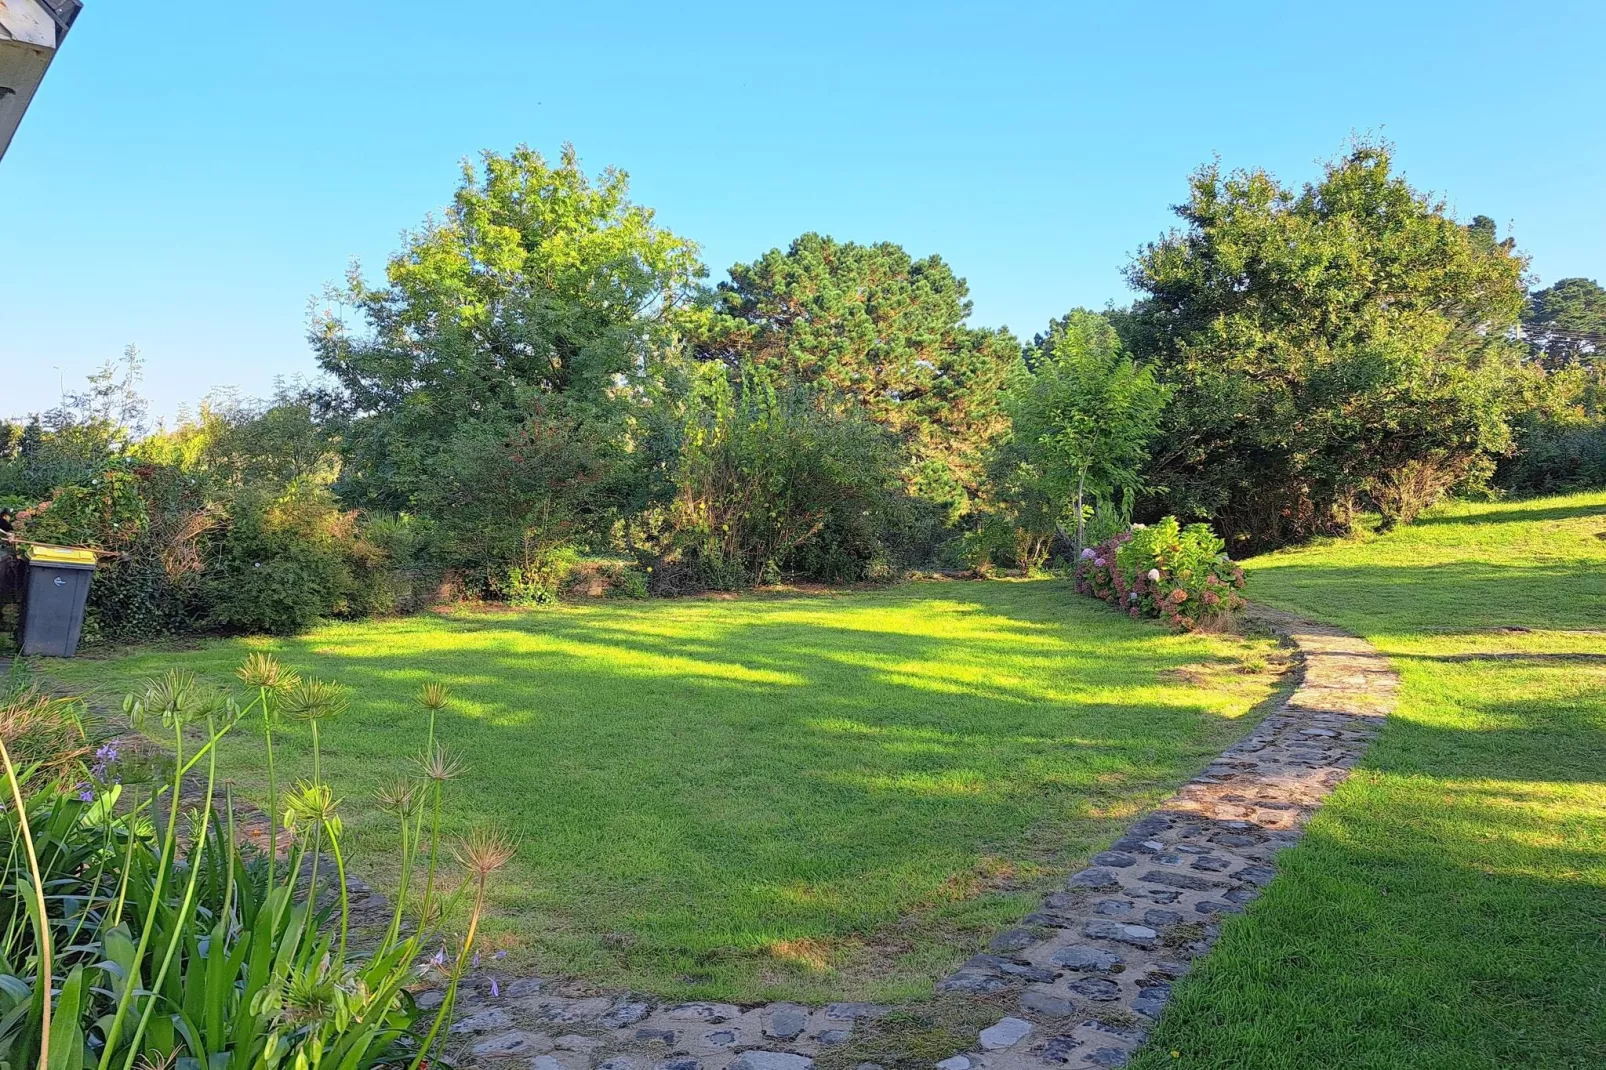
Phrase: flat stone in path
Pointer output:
(1006, 1033)
(1079, 957)
(771, 1060)
(513, 1044)
(483, 1021)
(704, 1012)
(1049, 1006)
(625, 1013)
(1013, 940)
(787, 1021)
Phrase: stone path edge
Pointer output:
(1092, 969)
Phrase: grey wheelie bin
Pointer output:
(54, 593)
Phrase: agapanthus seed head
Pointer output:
(400, 797)
(439, 764)
(311, 996)
(314, 700)
(169, 695)
(178, 696)
(311, 804)
(432, 696)
(152, 1061)
(264, 670)
(485, 850)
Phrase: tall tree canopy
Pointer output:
(1342, 345)
(1566, 322)
(877, 327)
(539, 284)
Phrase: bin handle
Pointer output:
(11, 537)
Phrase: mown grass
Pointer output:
(803, 796)
(1448, 907)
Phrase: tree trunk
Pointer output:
(1081, 517)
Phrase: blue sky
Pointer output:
(189, 184)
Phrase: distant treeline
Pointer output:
(543, 375)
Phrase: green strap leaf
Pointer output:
(66, 1034)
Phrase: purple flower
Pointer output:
(496, 989)
(1133, 597)
(1088, 554)
(476, 960)
(85, 794)
(1099, 561)
(104, 756)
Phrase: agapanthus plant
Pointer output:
(136, 930)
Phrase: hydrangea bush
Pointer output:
(1165, 570)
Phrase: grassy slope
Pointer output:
(805, 796)
(1448, 907)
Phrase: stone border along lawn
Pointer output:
(1078, 983)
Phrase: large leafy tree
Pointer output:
(1341, 345)
(1566, 322)
(1082, 416)
(871, 325)
(540, 288)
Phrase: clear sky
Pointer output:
(189, 181)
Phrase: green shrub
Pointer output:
(1560, 434)
(627, 583)
(398, 573)
(773, 481)
(507, 503)
(285, 560)
(1556, 456)
(990, 543)
(1181, 574)
(538, 583)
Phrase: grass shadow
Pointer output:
(737, 799)
(1503, 513)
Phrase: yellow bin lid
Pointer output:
(60, 555)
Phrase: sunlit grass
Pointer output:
(829, 796)
(1448, 908)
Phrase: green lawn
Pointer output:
(808, 796)
(1448, 906)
